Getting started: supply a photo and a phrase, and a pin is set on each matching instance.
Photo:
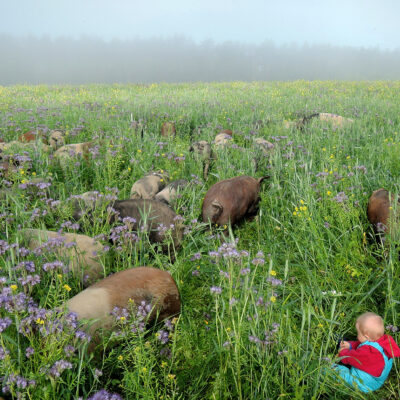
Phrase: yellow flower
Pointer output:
(144, 369)
(297, 208)
(139, 151)
(324, 149)
(40, 321)
(120, 358)
(21, 171)
(171, 376)
(228, 329)
(294, 213)
(67, 288)
(33, 173)
(272, 272)
(122, 318)
(348, 158)
(59, 276)
(14, 287)
(164, 364)
(174, 320)
(129, 169)
(328, 192)
(24, 181)
(273, 299)
(206, 322)
(161, 180)
(301, 201)
(320, 325)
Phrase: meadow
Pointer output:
(261, 312)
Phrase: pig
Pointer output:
(152, 286)
(337, 121)
(226, 131)
(56, 139)
(1, 140)
(170, 192)
(84, 258)
(382, 213)
(32, 136)
(154, 214)
(231, 200)
(67, 152)
(148, 186)
(202, 152)
(265, 146)
(168, 129)
(16, 146)
(222, 139)
(86, 203)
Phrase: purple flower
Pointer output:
(58, 367)
(29, 351)
(3, 353)
(195, 256)
(392, 328)
(327, 225)
(163, 336)
(216, 289)
(245, 271)
(5, 323)
(104, 395)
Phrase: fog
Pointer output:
(35, 60)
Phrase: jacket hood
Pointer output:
(389, 346)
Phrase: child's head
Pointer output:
(369, 327)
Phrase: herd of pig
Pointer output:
(148, 208)
(226, 202)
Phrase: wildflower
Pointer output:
(104, 395)
(328, 192)
(232, 301)
(144, 369)
(120, 358)
(171, 376)
(216, 289)
(164, 364)
(5, 323)
(67, 287)
(273, 299)
(29, 351)
(59, 367)
(392, 328)
(272, 272)
(40, 321)
(14, 287)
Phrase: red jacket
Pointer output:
(369, 359)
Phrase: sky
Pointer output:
(360, 23)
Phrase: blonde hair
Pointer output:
(371, 325)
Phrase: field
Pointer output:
(262, 312)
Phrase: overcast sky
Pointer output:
(366, 23)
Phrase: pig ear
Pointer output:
(217, 207)
(262, 178)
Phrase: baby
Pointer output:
(370, 358)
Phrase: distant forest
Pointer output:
(179, 59)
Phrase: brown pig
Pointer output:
(265, 146)
(32, 136)
(382, 213)
(67, 152)
(156, 217)
(148, 186)
(170, 192)
(84, 257)
(231, 200)
(222, 139)
(168, 129)
(136, 286)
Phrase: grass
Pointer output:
(261, 314)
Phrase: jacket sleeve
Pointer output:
(354, 344)
(367, 358)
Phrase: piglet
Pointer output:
(231, 200)
(122, 289)
(170, 192)
(152, 216)
(381, 212)
(82, 253)
(148, 186)
(66, 153)
(222, 139)
(32, 136)
(168, 129)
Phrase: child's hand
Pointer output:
(344, 345)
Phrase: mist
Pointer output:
(45, 60)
